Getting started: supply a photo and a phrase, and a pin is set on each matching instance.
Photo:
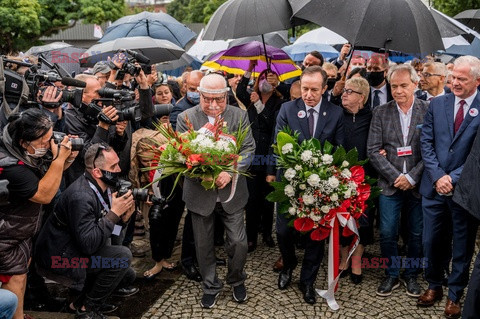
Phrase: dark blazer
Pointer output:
(386, 133)
(443, 152)
(202, 201)
(422, 95)
(468, 187)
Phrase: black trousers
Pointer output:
(471, 307)
(259, 211)
(102, 281)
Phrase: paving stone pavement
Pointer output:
(265, 300)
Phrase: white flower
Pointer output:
(290, 174)
(306, 155)
(302, 187)
(333, 182)
(308, 199)
(207, 143)
(313, 180)
(348, 193)
(315, 160)
(222, 145)
(287, 148)
(334, 197)
(292, 210)
(325, 209)
(327, 159)
(346, 173)
(345, 164)
(298, 167)
(289, 191)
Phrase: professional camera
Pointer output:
(77, 142)
(129, 65)
(3, 192)
(155, 213)
(160, 110)
(123, 186)
(117, 98)
(73, 97)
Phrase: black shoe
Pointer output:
(387, 286)
(125, 292)
(192, 272)
(251, 246)
(208, 301)
(309, 294)
(220, 262)
(268, 240)
(345, 272)
(356, 279)
(240, 293)
(105, 308)
(284, 278)
(412, 287)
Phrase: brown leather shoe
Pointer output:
(278, 266)
(429, 297)
(452, 309)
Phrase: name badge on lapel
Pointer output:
(404, 151)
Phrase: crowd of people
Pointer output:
(70, 212)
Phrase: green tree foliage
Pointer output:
(193, 11)
(453, 7)
(23, 22)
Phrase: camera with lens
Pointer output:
(156, 211)
(4, 192)
(77, 142)
(73, 96)
(117, 98)
(129, 65)
(160, 110)
(123, 186)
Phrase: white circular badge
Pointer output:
(473, 112)
(301, 114)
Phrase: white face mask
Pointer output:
(39, 152)
(265, 87)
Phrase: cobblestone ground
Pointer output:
(265, 300)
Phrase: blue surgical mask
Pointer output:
(194, 97)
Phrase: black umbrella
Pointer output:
(277, 39)
(400, 25)
(471, 18)
(155, 25)
(154, 49)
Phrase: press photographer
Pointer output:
(88, 213)
(32, 163)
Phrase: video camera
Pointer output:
(35, 80)
(160, 110)
(129, 65)
(93, 112)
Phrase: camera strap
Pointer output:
(23, 97)
(100, 197)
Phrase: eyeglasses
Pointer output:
(218, 99)
(350, 91)
(97, 154)
(426, 75)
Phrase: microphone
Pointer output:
(73, 82)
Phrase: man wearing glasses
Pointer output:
(396, 128)
(203, 203)
(432, 81)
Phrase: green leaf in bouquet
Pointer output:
(352, 156)
(282, 207)
(284, 138)
(315, 144)
(327, 147)
(278, 195)
(339, 156)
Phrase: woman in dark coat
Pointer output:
(262, 105)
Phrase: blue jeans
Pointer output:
(8, 304)
(390, 210)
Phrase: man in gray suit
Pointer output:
(395, 128)
(202, 203)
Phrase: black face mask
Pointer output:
(331, 83)
(302, 67)
(375, 78)
(109, 178)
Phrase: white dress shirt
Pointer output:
(316, 114)
(405, 120)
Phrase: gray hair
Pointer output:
(404, 68)
(211, 82)
(84, 77)
(438, 67)
(472, 62)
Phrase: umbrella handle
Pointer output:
(344, 77)
(265, 51)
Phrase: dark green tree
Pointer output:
(178, 9)
(193, 11)
(23, 22)
(453, 7)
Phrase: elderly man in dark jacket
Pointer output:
(74, 245)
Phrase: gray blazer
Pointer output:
(202, 201)
(386, 133)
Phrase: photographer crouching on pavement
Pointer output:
(74, 247)
(32, 162)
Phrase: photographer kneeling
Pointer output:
(32, 163)
(74, 246)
